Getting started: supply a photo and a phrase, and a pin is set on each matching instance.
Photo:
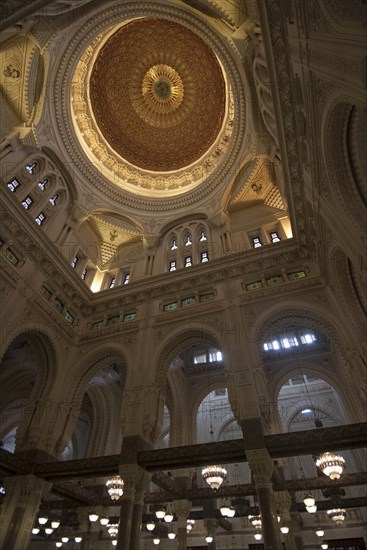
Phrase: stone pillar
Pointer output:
(142, 482)
(20, 508)
(135, 480)
(182, 509)
(283, 504)
(262, 467)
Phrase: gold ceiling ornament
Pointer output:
(163, 88)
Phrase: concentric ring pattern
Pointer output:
(158, 94)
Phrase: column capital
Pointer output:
(135, 480)
(182, 509)
(261, 465)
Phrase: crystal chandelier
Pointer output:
(214, 475)
(115, 487)
(338, 515)
(331, 465)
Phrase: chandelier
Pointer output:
(113, 529)
(338, 515)
(115, 487)
(214, 475)
(256, 521)
(331, 465)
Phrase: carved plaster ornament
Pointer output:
(11, 72)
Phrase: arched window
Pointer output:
(203, 236)
(187, 239)
(173, 246)
(54, 199)
(43, 184)
(31, 167)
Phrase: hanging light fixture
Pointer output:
(284, 529)
(58, 544)
(115, 487)
(258, 536)
(65, 539)
(311, 509)
(35, 530)
(114, 542)
(224, 509)
(338, 515)
(113, 529)
(231, 512)
(156, 541)
(55, 523)
(324, 546)
(168, 516)
(320, 532)
(171, 535)
(160, 512)
(49, 530)
(209, 539)
(150, 526)
(309, 500)
(104, 521)
(78, 539)
(93, 517)
(256, 521)
(42, 520)
(189, 524)
(214, 475)
(331, 465)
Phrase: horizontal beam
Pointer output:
(350, 436)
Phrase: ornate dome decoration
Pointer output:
(137, 96)
(90, 152)
(158, 94)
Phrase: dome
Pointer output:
(158, 94)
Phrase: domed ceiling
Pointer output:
(158, 94)
(152, 107)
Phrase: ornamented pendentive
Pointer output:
(162, 94)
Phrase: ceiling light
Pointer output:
(160, 513)
(224, 509)
(55, 523)
(150, 526)
(231, 512)
(156, 541)
(93, 517)
(256, 521)
(65, 539)
(284, 529)
(214, 475)
(331, 465)
(168, 517)
(58, 544)
(114, 542)
(311, 509)
(325, 546)
(320, 533)
(309, 500)
(35, 531)
(209, 539)
(172, 535)
(258, 536)
(42, 520)
(104, 521)
(115, 487)
(78, 539)
(49, 531)
(113, 529)
(338, 515)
